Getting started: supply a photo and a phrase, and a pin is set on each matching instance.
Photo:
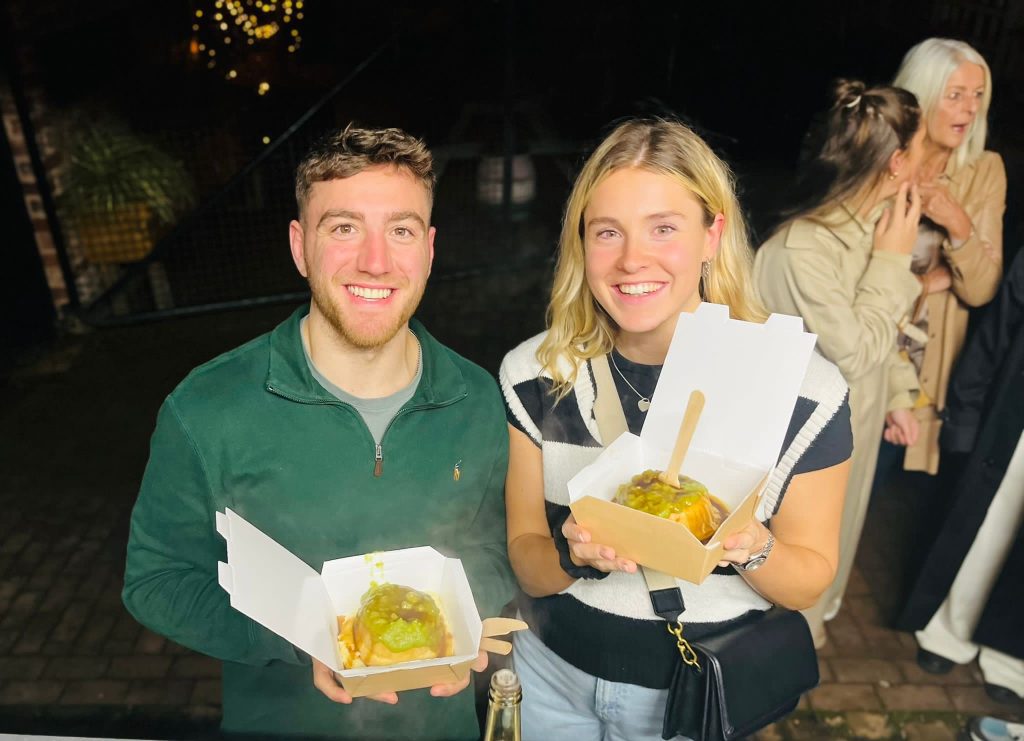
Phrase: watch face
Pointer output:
(754, 563)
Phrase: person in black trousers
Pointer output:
(967, 599)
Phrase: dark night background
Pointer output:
(491, 76)
(80, 383)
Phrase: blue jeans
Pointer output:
(561, 701)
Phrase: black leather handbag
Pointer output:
(747, 676)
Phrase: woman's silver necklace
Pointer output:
(643, 404)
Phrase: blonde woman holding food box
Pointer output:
(842, 262)
(652, 228)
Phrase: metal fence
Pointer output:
(494, 251)
(496, 239)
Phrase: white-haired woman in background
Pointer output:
(958, 254)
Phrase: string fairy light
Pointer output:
(237, 27)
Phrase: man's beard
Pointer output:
(368, 334)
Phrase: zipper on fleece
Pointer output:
(378, 447)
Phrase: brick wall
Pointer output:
(33, 201)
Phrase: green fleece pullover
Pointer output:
(253, 431)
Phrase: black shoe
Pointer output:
(1001, 694)
(933, 663)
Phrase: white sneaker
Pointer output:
(987, 728)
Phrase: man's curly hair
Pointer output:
(347, 152)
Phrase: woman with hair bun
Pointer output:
(841, 260)
(651, 229)
(958, 254)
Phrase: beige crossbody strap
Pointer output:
(611, 420)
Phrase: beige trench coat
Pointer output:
(853, 298)
(976, 269)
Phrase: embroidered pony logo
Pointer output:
(457, 471)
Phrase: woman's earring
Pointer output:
(893, 175)
(705, 279)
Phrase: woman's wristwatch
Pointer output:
(759, 557)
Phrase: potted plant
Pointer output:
(120, 189)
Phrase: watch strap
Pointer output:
(761, 555)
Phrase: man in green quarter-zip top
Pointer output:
(347, 429)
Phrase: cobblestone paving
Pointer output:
(75, 423)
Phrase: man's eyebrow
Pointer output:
(407, 216)
(339, 213)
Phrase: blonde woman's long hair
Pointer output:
(578, 327)
(925, 70)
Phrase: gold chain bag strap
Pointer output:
(611, 422)
(729, 684)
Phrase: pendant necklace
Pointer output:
(643, 404)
